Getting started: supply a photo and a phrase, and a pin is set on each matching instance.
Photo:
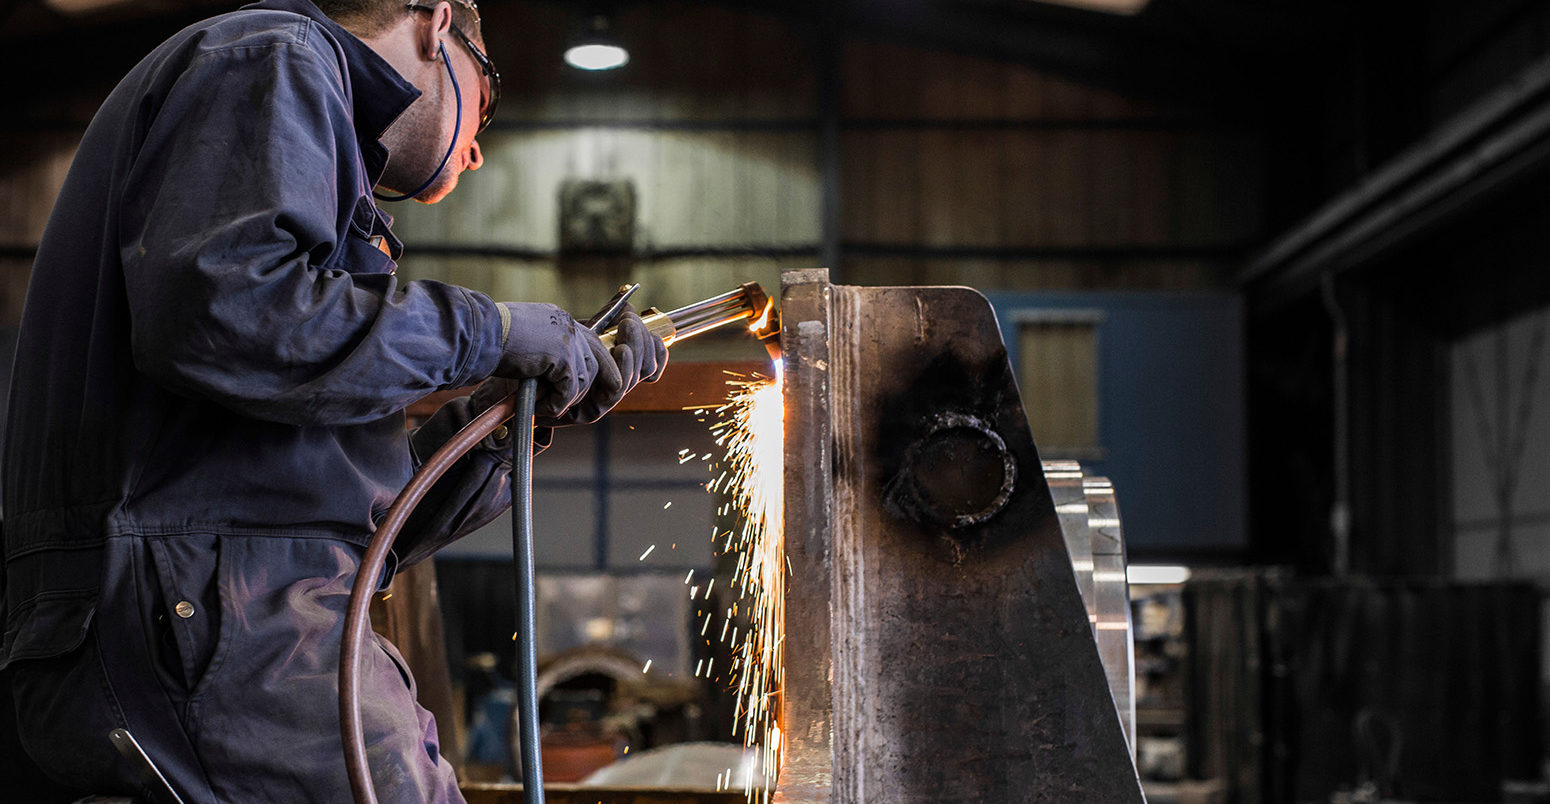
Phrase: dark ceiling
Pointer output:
(1211, 54)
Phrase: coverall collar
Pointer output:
(377, 90)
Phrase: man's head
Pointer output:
(414, 36)
(372, 17)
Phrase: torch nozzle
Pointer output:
(748, 302)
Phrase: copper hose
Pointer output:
(358, 615)
(359, 612)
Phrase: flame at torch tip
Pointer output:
(763, 319)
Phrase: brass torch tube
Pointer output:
(710, 314)
(738, 295)
(694, 319)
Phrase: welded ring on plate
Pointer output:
(960, 473)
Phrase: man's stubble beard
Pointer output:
(416, 146)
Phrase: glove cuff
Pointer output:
(505, 322)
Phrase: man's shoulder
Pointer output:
(256, 30)
(261, 28)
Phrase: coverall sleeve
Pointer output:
(472, 493)
(239, 288)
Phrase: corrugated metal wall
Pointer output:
(960, 169)
(953, 168)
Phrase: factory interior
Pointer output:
(1161, 394)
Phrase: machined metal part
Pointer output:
(1089, 520)
(938, 647)
(1110, 611)
(1065, 488)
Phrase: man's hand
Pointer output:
(580, 379)
(544, 342)
(640, 355)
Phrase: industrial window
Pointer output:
(1057, 370)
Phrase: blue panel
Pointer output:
(1171, 411)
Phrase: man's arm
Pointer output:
(240, 289)
(476, 489)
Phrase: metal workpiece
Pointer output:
(1110, 606)
(1089, 520)
(962, 663)
(1065, 479)
(807, 771)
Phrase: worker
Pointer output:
(206, 409)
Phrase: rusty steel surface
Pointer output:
(962, 666)
(807, 773)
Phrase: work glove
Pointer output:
(637, 356)
(580, 379)
(640, 355)
(544, 342)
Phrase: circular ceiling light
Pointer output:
(597, 48)
(597, 56)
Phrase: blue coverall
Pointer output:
(206, 423)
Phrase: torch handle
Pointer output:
(656, 321)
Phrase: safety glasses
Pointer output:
(487, 113)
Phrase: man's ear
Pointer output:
(428, 38)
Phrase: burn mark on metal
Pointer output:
(940, 449)
(958, 474)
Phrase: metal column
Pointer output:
(937, 646)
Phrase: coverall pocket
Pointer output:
(399, 663)
(185, 605)
(49, 625)
(61, 693)
(361, 256)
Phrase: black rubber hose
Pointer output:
(527, 623)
